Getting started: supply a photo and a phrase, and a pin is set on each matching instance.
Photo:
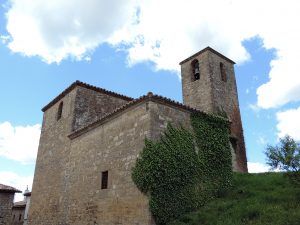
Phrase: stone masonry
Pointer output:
(7, 194)
(213, 95)
(17, 217)
(91, 139)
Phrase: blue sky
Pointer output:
(133, 48)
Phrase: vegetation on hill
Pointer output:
(256, 199)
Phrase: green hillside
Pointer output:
(256, 199)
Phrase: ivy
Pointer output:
(184, 169)
(212, 138)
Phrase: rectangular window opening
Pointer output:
(59, 111)
(104, 180)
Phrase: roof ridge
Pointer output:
(90, 125)
(204, 50)
(85, 85)
(149, 96)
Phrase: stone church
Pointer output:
(91, 138)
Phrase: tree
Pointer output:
(285, 155)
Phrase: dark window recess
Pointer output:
(20, 216)
(104, 180)
(195, 70)
(233, 142)
(223, 72)
(59, 111)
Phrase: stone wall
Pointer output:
(17, 216)
(91, 106)
(212, 94)
(67, 187)
(225, 99)
(67, 183)
(6, 204)
(81, 106)
(197, 93)
(112, 146)
(48, 201)
(162, 114)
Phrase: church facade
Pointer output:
(91, 138)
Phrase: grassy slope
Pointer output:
(257, 199)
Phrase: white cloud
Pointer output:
(257, 167)
(163, 32)
(289, 123)
(284, 84)
(168, 31)
(57, 29)
(19, 143)
(16, 181)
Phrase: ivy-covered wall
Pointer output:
(212, 138)
(185, 168)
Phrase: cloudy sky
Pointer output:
(133, 47)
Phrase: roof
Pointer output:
(8, 189)
(85, 85)
(149, 97)
(21, 204)
(27, 193)
(204, 50)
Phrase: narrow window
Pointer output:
(233, 142)
(223, 73)
(195, 70)
(14, 217)
(59, 111)
(104, 180)
(20, 216)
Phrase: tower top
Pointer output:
(204, 50)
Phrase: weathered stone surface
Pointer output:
(113, 147)
(76, 196)
(51, 175)
(70, 193)
(6, 204)
(162, 114)
(100, 132)
(211, 94)
(198, 93)
(91, 106)
(17, 217)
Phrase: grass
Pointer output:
(256, 199)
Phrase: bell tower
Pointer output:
(209, 85)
